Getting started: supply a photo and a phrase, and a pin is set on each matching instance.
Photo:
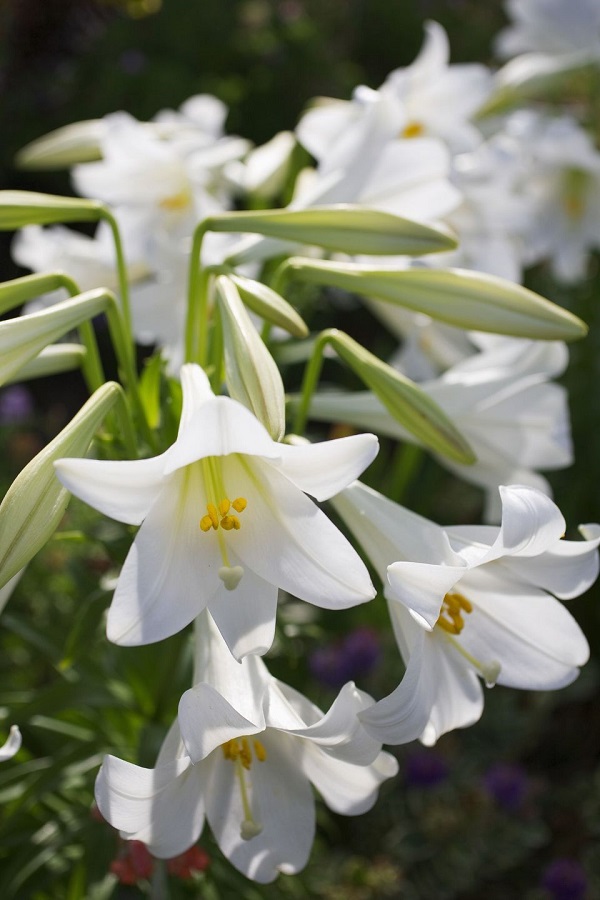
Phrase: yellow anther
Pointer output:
(451, 616)
(219, 515)
(259, 751)
(229, 522)
(245, 753)
(412, 130)
(176, 201)
(573, 206)
(450, 627)
(214, 516)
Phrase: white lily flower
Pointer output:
(439, 99)
(12, 745)
(500, 400)
(225, 521)
(561, 180)
(552, 27)
(179, 180)
(471, 601)
(244, 755)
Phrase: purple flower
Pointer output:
(425, 769)
(507, 784)
(564, 879)
(347, 659)
(15, 404)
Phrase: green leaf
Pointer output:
(459, 297)
(35, 502)
(342, 228)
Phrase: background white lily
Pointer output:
(199, 545)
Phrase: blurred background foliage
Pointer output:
(508, 809)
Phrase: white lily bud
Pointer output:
(466, 299)
(22, 338)
(250, 371)
(270, 305)
(53, 359)
(342, 228)
(406, 402)
(35, 502)
(20, 208)
(64, 147)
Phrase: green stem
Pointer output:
(117, 331)
(407, 459)
(280, 277)
(196, 326)
(123, 414)
(121, 272)
(312, 373)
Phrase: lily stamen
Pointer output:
(238, 750)
(451, 619)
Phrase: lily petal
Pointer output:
(346, 788)
(163, 807)
(170, 572)
(538, 643)
(12, 745)
(323, 469)
(218, 427)
(421, 587)
(282, 802)
(207, 720)
(246, 617)
(291, 543)
(125, 491)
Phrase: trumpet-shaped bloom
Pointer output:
(472, 601)
(244, 754)
(225, 521)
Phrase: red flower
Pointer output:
(134, 862)
(193, 860)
